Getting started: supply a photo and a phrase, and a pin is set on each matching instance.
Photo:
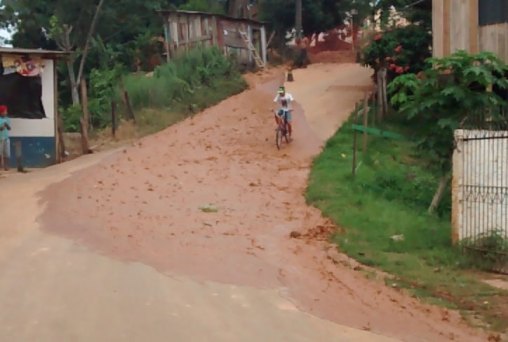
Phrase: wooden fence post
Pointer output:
(84, 120)
(382, 97)
(84, 103)
(128, 105)
(355, 139)
(379, 96)
(365, 122)
(113, 118)
(2, 154)
(19, 156)
(84, 136)
(61, 142)
(385, 95)
(126, 101)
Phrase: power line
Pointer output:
(414, 3)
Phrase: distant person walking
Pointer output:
(302, 58)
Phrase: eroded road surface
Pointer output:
(114, 246)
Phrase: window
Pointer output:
(21, 87)
(493, 12)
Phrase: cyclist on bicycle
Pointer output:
(285, 100)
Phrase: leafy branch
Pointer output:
(447, 93)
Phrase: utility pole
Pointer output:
(298, 19)
(238, 8)
(353, 33)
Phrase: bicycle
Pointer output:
(282, 131)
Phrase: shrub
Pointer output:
(70, 116)
(488, 251)
(101, 92)
(400, 50)
(179, 80)
(194, 81)
(451, 90)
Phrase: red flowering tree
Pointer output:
(399, 50)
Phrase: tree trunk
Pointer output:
(237, 8)
(438, 196)
(72, 79)
(87, 44)
(84, 136)
(379, 94)
(84, 105)
(232, 4)
(385, 95)
(298, 19)
(64, 43)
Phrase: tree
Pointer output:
(211, 6)
(65, 24)
(400, 50)
(61, 33)
(298, 19)
(318, 15)
(237, 8)
(417, 12)
(450, 91)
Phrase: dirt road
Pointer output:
(120, 250)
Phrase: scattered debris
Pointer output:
(295, 235)
(209, 208)
(495, 338)
(397, 238)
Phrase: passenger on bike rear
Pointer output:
(285, 100)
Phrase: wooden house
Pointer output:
(470, 25)
(243, 38)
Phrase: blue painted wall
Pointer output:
(36, 151)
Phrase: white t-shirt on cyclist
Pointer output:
(284, 100)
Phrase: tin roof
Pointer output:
(19, 51)
(207, 14)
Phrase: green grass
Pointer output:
(389, 196)
(153, 119)
(199, 78)
(188, 84)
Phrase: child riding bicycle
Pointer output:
(284, 112)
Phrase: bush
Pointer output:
(400, 50)
(179, 80)
(194, 81)
(204, 6)
(101, 92)
(488, 251)
(70, 116)
(450, 91)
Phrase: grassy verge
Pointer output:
(387, 202)
(151, 120)
(195, 81)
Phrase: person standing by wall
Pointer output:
(5, 146)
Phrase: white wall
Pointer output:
(480, 184)
(40, 127)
